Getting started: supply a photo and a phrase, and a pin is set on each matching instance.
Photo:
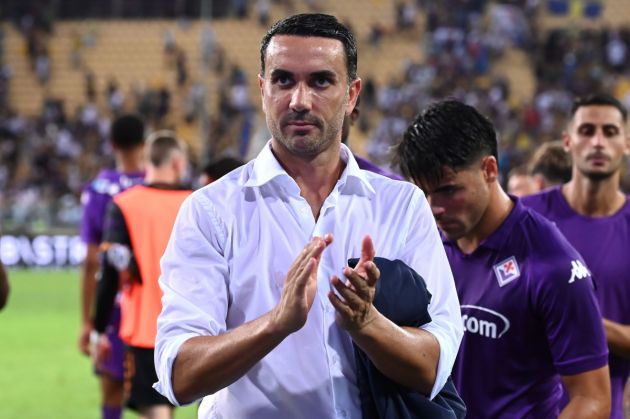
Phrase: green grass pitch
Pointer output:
(42, 373)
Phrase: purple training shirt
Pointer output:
(97, 195)
(604, 243)
(530, 315)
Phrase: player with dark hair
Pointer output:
(594, 215)
(530, 315)
(217, 169)
(139, 222)
(127, 141)
(364, 164)
(254, 311)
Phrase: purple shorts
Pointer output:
(114, 365)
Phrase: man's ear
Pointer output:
(261, 82)
(490, 168)
(566, 141)
(353, 95)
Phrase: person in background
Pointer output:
(594, 215)
(4, 287)
(365, 164)
(139, 223)
(527, 298)
(255, 311)
(127, 142)
(550, 165)
(521, 182)
(217, 169)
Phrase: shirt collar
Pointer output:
(267, 169)
(497, 240)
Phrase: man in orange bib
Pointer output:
(139, 223)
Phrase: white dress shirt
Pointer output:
(225, 264)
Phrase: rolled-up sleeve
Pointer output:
(194, 285)
(424, 252)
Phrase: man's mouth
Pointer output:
(598, 158)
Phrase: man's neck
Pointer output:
(161, 175)
(316, 177)
(130, 161)
(498, 209)
(594, 198)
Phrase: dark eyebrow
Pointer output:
(280, 73)
(592, 125)
(443, 188)
(326, 74)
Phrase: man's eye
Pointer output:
(282, 80)
(610, 132)
(322, 82)
(447, 191)
(588, 131)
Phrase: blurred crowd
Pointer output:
(45, 160)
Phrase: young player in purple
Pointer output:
(531, 321)
(594, 216)
(127, 140)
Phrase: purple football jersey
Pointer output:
(97, 195)
(95, 199)
(604, 243)
(524, 291)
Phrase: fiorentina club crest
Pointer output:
(507, 271)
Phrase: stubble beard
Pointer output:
(596, 176)
(312, 144)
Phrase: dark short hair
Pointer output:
(448, 134)
(551, 161)
(221, 167)
(314, 24)
(127, 132)
(599, 99)
(161, 145)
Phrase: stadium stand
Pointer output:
(517, 61)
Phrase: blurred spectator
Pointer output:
(208, 47)
(181, 67)
(262, 11)
(115, 97)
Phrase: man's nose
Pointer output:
(436, 209)
(301, 98)
(598, 139)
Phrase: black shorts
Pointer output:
(139, 378)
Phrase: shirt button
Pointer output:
(334, 359)
(341, 413)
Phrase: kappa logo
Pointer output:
(507, 271)
(578, 271)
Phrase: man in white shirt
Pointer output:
(254, 310)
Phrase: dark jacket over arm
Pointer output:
(402, 297)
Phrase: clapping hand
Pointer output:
(355, 308)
